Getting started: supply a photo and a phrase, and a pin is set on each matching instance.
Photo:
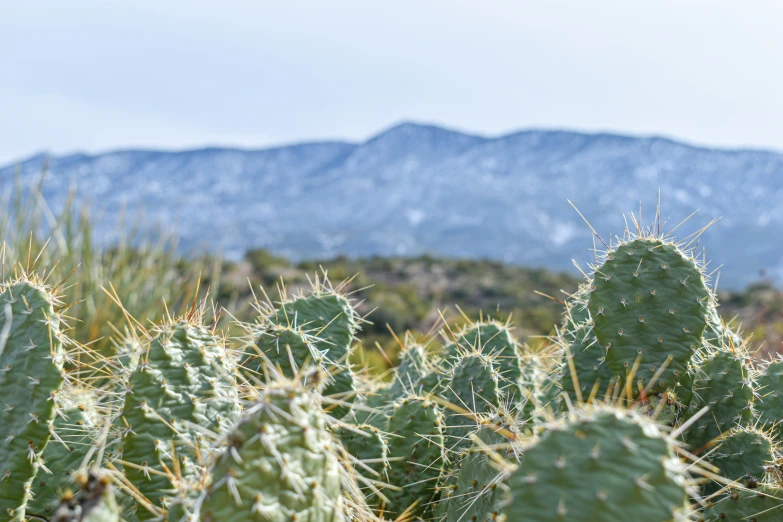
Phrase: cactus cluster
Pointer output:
(644, 405)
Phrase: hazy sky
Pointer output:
(99, 74)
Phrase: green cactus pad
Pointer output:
(327, 317)
(724, 383)
(606, 465)
(284, 348)
(75, 429)
(477, 494)
(743, 451)
(31, 361)
(408, 375)
(578, 342)
(369, 446)
(492, 339)
(373, 406)
(328, 323)
(719, 335)
(473, 387)
(649, 298)
(415, 455)
(770, 389)
(539, 384)
(184, 377)
(331, 324)
(280, 466)
(762, 504)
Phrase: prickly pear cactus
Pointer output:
(75, 430)
(477, 492)
(760, 504)
(284, 347)
(770, 389)
(603, 464)
(492, 339)
(31, 358)
(743, 452)
(583, 357)
(415, 454)
(649, 299)
(412, 369)
(183, 379)
(474, 388)
(539, 384)
(279, 467)
(719, 335)
(368, 445)
(724, 383)
(327, 323)
(93, 503)
(325, 315)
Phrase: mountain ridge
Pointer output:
(42, 155)
(417, 188)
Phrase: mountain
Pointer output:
(419, 188)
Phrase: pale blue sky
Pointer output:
(99, 74)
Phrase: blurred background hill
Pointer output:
(420, 189)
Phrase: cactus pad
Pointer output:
(762, 504)
(723, 382)
(605, 464)
(183, 378)
(770, 390)
(279, 466)
(742, 452)
(75, 429)
(415, 454)
(649, 299)
(31, 361)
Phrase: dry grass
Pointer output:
(144, 268)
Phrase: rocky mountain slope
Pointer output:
(417, 188)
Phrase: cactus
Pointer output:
(279, 466)
(494, 340)
(93, 503)
(602, 464)
(584, 361)
(318, 328)
(649, 300)
(416, 455)
(476, 493)
(760, 504)
(743, 452)
(539, 384)
(769, 385)
(412, 371)
(724, 383)
(183, 379)
(283, 348)
(369, 446)
(75, 430)
(31, 358)
(478, 435)
(472, 390)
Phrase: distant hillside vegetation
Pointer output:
(410, 294)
